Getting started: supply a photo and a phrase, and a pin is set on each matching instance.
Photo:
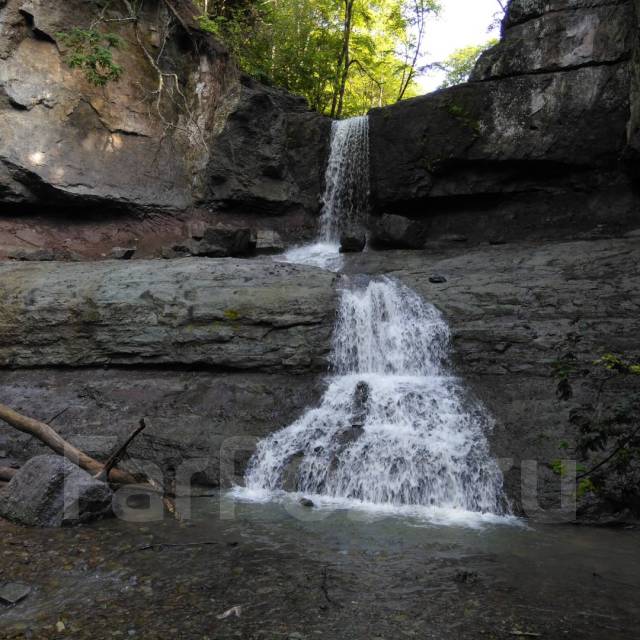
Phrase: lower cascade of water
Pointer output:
(394, 426)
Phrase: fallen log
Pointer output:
(57, 443)
(6, 473)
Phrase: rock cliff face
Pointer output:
(180, 129)
(218, 353)
(534, 145)
(217, 314)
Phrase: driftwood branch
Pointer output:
(115, 457)
(57, 443)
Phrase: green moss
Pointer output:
(90, 311)
(231, 314)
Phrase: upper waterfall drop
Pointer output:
(345, 203)
(346, 195)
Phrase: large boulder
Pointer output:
(50, 491)
(270, 155)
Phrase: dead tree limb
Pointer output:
(57, 443)
(115, 457)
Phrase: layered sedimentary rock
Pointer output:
(220, 314)
(207, 350)
(218, 353)
(533, 146)
(521, 312)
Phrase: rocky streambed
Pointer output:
(263, 571)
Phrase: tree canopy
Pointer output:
(344, 56)
(459, 65)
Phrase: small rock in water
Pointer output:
(305, 502)
(13, 592)
(398, 232)
(437, 279)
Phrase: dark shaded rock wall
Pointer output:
(207, 138)
(270, 155)
(534, 145)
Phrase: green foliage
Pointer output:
(459, 65)
(92, 51)
(585, 485)
(614, 363)
(309, 47)
(607, 430)
(557, 467)
(465, 118)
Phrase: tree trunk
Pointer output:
(342, 71)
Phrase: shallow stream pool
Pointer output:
(285, 571)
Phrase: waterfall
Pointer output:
(394, 426)
(346, 195)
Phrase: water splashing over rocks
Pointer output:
(394, 427)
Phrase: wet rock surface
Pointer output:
(50, 491)
(515, 311)
(353, 242)
(202, 424)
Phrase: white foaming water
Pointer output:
(395, 430)
(346, 194)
